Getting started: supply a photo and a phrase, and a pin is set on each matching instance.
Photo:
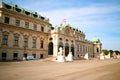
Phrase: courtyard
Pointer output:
(48, 70)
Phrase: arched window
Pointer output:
(41, 44)
(50, 48)
(97, 49)
(72, 49)
(42, 28)
(66, 49)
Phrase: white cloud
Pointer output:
(80, 14)
(95, 21)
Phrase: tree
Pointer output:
(111, 53)
(105, 51)
(117, 52)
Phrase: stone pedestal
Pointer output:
(107, 56)
(102, 57)
(114, 55)
(60, 56)
(118, 56)
(69, 57)
(86, 56)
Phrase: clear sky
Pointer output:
(99, 18)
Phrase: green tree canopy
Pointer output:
(105, 51)
(117, 52)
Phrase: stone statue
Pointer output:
(118, 56)
(86, 56)
(102, 57)
(60, 56)
(69, 57)
(107, 56)
(114, 55)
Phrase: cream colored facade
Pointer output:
(22, 33)
(82, 45)
(72, 40)
(63, 37)
(25, 33)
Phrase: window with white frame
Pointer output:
(26, 25)
(34, 27)
(17, 22)
(34, 43)
(7, 20)
(16, 40)
(5, 40)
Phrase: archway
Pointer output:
(60, 45)
(50, 48)
(66, 49)
(72, 49)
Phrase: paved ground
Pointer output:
(48, 70)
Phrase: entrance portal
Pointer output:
(50, 48)
(60, 45)
(72, 49)
(66, 49)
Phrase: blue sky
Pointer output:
(99, 18)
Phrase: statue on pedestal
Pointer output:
(107, 56)
(114, 55)
(102, 57)
(118, 56)
(86, 56)
(69, 57)
(60, 56)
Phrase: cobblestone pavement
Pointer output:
(48, 70)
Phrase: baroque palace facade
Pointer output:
(25, 33)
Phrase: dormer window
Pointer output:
(18, 9)
(8, 6)
(42, 18)
(27, 12)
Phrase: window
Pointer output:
(60, 38)
(42, 28)
(34, 55)
(25, 55)
(17, 22)
(41, 56)
(41, 43)
(25, 42)
(35, 27)
(50, 38)
(7, 20)
(15, 55)
(5, 40)
(72, 41)
(4, 55)
(34, 43)
(77, 47)
(16, 40)
(97, 49)
(26, 25)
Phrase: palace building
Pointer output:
(26, 33)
